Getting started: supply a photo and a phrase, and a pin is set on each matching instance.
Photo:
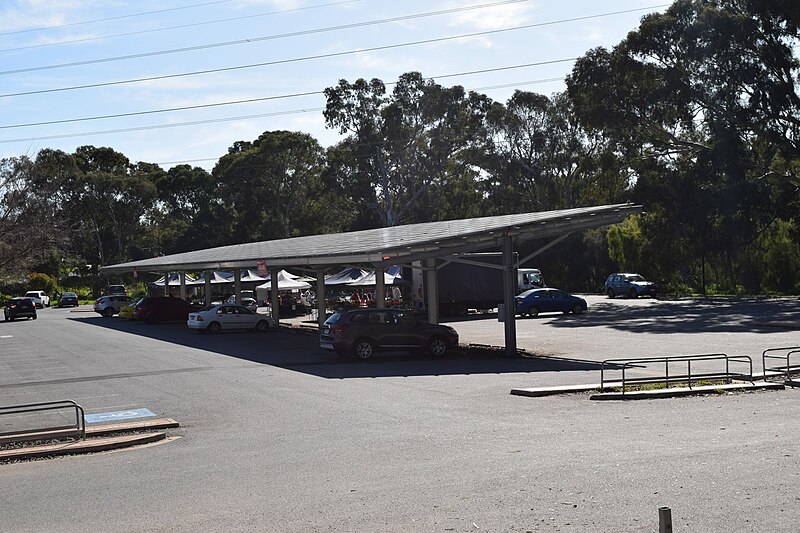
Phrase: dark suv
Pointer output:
(20, 307)
(154, 309)
(361, 332)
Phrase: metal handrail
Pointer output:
(689, 377)
(789, 350)
(80, 421)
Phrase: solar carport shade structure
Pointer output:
(426, 242)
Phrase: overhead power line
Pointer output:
(251, 40)
(307, 58)
(223, 119)
(264, 98)
(119, 17)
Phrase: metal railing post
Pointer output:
(664, 520)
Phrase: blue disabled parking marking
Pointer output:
(117, 415)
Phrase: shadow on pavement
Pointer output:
(298, 350)
(688, 316)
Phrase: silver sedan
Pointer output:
(214, 318)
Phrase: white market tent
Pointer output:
(369, 280)
(251, 276)
(285, 283)
(345, 277)
(174, 280)
(216, 278)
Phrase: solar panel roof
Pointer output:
(397, 244)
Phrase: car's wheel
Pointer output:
(262, 325)
(610, 293)
(533, 311)
(108, 312)
(363, 348)
(437, 347)
(632, 293)
(214, 327)
(9, 319)
(577, 309)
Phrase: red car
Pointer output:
(154, 309)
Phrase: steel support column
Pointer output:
(237, 286)
(207, 286)
(380, 287)
(182, 278)
(509, 292)
(274, 303)
(433, 290)
(321, 308)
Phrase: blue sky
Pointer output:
(65, 63)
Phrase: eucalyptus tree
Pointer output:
(111, 196)
(411, 147)
(702, 102)
(175, 221)
(29, 225)
(266, 188)
(542, 159)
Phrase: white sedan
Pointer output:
(214, 318)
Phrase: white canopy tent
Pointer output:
(369, 280)
(216, 278)
(174, 280)
(285, 283)
(345, 277)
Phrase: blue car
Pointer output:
(548, 300)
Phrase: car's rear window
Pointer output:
(334, 318)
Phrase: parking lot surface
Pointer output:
(278, 435)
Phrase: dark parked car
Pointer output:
(535, 301)
(362, 332)
(68, 299)
(631, 285)
(20, 307)
(154, 309)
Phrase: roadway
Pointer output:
(277, 435)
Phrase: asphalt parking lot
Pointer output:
(277, 435)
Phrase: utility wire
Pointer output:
(307, 58)
(221, 119)
(181, 26)
(265, 98)
(256, 39)
(119, 17)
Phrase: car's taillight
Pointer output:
(338, 328)
(198, 318)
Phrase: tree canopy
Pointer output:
(695, 115)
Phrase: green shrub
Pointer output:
(42, 282)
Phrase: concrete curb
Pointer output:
(79, 447)
(685, 391)
(538, 392)
(97, 439)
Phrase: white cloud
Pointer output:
(492, 18)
